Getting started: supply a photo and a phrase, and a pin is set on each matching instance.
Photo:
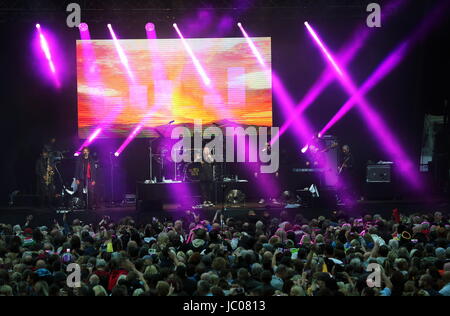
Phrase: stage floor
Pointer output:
(17, 215)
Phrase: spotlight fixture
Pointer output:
(83, 27)
(150, 27)
(305, 149)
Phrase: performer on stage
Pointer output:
(85, 177)
(207, 177)
(346, 176)
(45, 173)
(317, 151)
(270, 190)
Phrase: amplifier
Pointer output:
(379, 173)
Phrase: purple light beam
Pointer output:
(89, 141)
(346, 54)
(380, 130)
(391, 62)
(46, 50)
(252, 46)
(122, 56)
(129, 139)
(197, 64)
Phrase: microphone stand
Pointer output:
(111, 161)
(151, 158)
(64, 188)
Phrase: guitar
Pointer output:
(344, 165)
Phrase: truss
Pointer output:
(134, 5)
(160, 11)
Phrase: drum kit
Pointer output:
(168, 169)
(179, 171)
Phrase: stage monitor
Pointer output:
(156, 82)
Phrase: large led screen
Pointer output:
(156, 82)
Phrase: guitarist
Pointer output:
(346, 165)
(345, 172)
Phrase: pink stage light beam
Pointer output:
(129, 139)
(346, 54)
(197, 64)
(293, 112)
(380, 130)
(151, 34)
(122, 56)
(46, 50)
(303, 129)
(382, 71)
(89, 141)
(391, 62)
(252, 46)
(158, 73)
(324, 49)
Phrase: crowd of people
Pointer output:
(250, 256)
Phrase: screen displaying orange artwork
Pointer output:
(155, 82)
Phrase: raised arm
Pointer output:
(376, 248)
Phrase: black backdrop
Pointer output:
(33, 110)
